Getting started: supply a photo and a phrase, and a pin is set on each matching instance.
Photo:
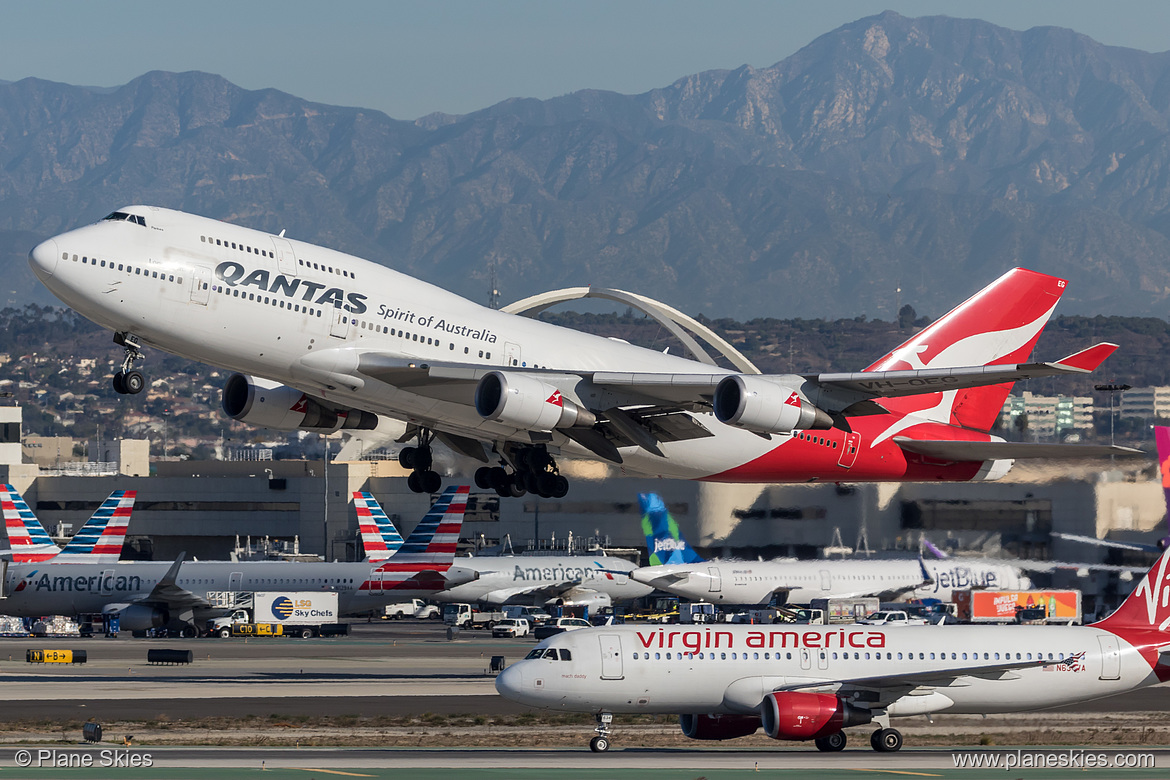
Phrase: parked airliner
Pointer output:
(325, 341)
(593, 581)
(100, 540)
(182, 595)
(789, 581)
(811, 682)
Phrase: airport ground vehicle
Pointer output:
(559, 626)
(1005, 606)
(415, 608)
(513, 627)
(471, 616)
(698, 612)
(534, 615)
(891, 617)
(279, 613)
(845, 609)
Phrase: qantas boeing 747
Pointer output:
(325, 341)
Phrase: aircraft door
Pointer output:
(106, 583)
(716, 582)
(849, 449)
(340, 325)
(376, 577)
(511, 354)
(805, 658)
(826, 580)
(3, 579)
(200, 286)
(1110, 658)
(286, 258)
(236, 581)
(611, 656)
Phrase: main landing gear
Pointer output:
(886, 740)
(419, 459)
(600, 743)
(129, 380)
(535, 472)
(831, 743)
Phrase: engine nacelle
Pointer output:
(526, 402)
(788, 715)
(718, 726)
(766, 405)
(581, 597)
(267, 404)
(139, 617)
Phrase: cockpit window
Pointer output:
(551, 654)
(122, 216)
(535, 653)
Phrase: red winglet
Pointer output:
(1088, 359)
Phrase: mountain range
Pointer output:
(890, 161)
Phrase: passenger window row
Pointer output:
(820, 440)
(857, 656)
(430, 342)
(235, 292)
(136, 270)
(329, 269)
(241, 247)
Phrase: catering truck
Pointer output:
(1018, 606)
(279, 613)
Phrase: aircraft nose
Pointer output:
(510, 683)
(43, 259)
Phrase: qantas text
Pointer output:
(234, 275)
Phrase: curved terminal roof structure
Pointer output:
(686, 329)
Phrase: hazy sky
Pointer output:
(411, 58)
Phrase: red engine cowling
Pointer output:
(718, 726)
(808, 715)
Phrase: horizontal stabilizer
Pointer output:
(1008, 450)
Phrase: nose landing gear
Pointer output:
(600, 743)
(129, 381)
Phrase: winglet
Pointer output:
(172, 574)
(1088, 359)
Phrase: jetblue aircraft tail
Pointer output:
(664, 540)
(100, 539)
(380, 538)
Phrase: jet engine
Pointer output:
(766, 404)
(267, 404)
(526, 402)
(139, 617)
(789, 715)
(718, 726)
(581, 597)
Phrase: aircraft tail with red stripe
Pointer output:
(380, 538)
(425, 560)
(100, 540)
(28, 541)
(999, 325)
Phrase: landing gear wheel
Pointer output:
(560, 487)
(831, 743)
(886, 740)
(599, 744)
(189, 632)
(134, 382)
(119, 383)
(429, 481)
(483, 477)
(406, 458)
(414, 483)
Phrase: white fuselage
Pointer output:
(82, 588)
(755, 582)
(570, 580)
(729, 669)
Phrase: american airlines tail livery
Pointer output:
(325, 341)
(100, 540)
(809, 683)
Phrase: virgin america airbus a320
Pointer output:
(325, 341)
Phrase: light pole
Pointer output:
(1112, 389)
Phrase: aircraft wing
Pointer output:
(1152, 548)
(166, 591)
(890, 687)
(1008, 450)
(833, 392)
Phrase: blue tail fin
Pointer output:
(664, 542)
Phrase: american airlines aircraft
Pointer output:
(100, 540)
(180, 595)
(553, 580)
(809, 682)
(325, 341)
(685, 574)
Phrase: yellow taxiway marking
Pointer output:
(355, 774)
(893, 772)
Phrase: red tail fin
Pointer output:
(998, 325)
(1148, 607)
